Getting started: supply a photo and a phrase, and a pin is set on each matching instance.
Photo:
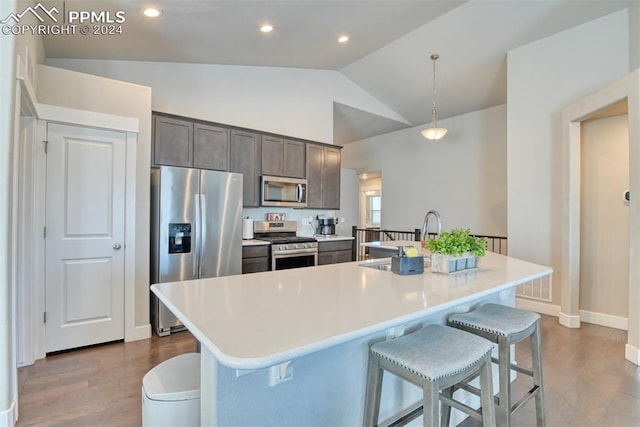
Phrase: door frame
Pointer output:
(626, 90)
(34, 313)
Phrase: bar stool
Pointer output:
(506, 326)
(435, 358)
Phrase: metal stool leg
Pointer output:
(486, 393)
(431, 404)
(536, 363)
(373, 392)
(504, 370)
(446, 409)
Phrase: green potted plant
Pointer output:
(456, 250)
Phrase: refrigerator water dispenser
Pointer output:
(179, 238)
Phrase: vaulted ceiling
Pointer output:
(387, 54)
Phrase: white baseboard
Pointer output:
(632, 354)
(607, 320)
(9, 417)
(538, 307)
(140, 333)
(569, 321)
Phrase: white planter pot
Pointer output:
(447, 264)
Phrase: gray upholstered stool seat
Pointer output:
(506, 326)
(435, 358)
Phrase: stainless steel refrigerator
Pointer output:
(196, 231)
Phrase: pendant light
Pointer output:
(434, 133)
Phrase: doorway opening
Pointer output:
(622, 94)
(370, 203)
(604, 218)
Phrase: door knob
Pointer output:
(117, 246)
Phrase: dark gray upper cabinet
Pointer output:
(294, 159)
(323, 177)
(172, 142)
(272, 156)
(245, 158)
(183, 142)
(210, 147)
(314, 176)
(283, 157)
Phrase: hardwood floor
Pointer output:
(588, 383)
(97, 386)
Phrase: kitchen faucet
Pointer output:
(425, 225)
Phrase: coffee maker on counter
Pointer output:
(325, 226)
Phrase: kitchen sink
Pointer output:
(384, 265)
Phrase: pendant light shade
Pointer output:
(434, 133)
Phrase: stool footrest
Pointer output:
(405, 416)
(530, 394)
(474, 390)
(514, 367)
(472, 412)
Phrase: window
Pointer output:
(374, 204)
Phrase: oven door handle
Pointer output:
(294, 252)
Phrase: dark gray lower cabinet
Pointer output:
(334, 252)
(255, 259)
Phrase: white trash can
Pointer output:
(171, 393)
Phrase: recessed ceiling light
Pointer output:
(343, 39)
(151, 12)
(266, 28)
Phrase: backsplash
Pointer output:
(302, 216)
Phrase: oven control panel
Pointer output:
(294, 246)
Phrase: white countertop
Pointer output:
(320, 238)
(254, 242)
(257, 320)
(392, 244)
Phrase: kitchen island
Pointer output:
(290, 347)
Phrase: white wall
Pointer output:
(287, 101)
(8, 370)
(348, 201)
(85, 92)
(462, 176)
(634, 35)
(544, 77)
(604, 216)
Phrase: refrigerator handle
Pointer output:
(203, 235)
(198, 237)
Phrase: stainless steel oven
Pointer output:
(287, 249)
(294, 255)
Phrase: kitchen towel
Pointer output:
(247, 228)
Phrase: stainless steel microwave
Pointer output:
(279, 191)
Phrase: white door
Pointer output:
(85, 211)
